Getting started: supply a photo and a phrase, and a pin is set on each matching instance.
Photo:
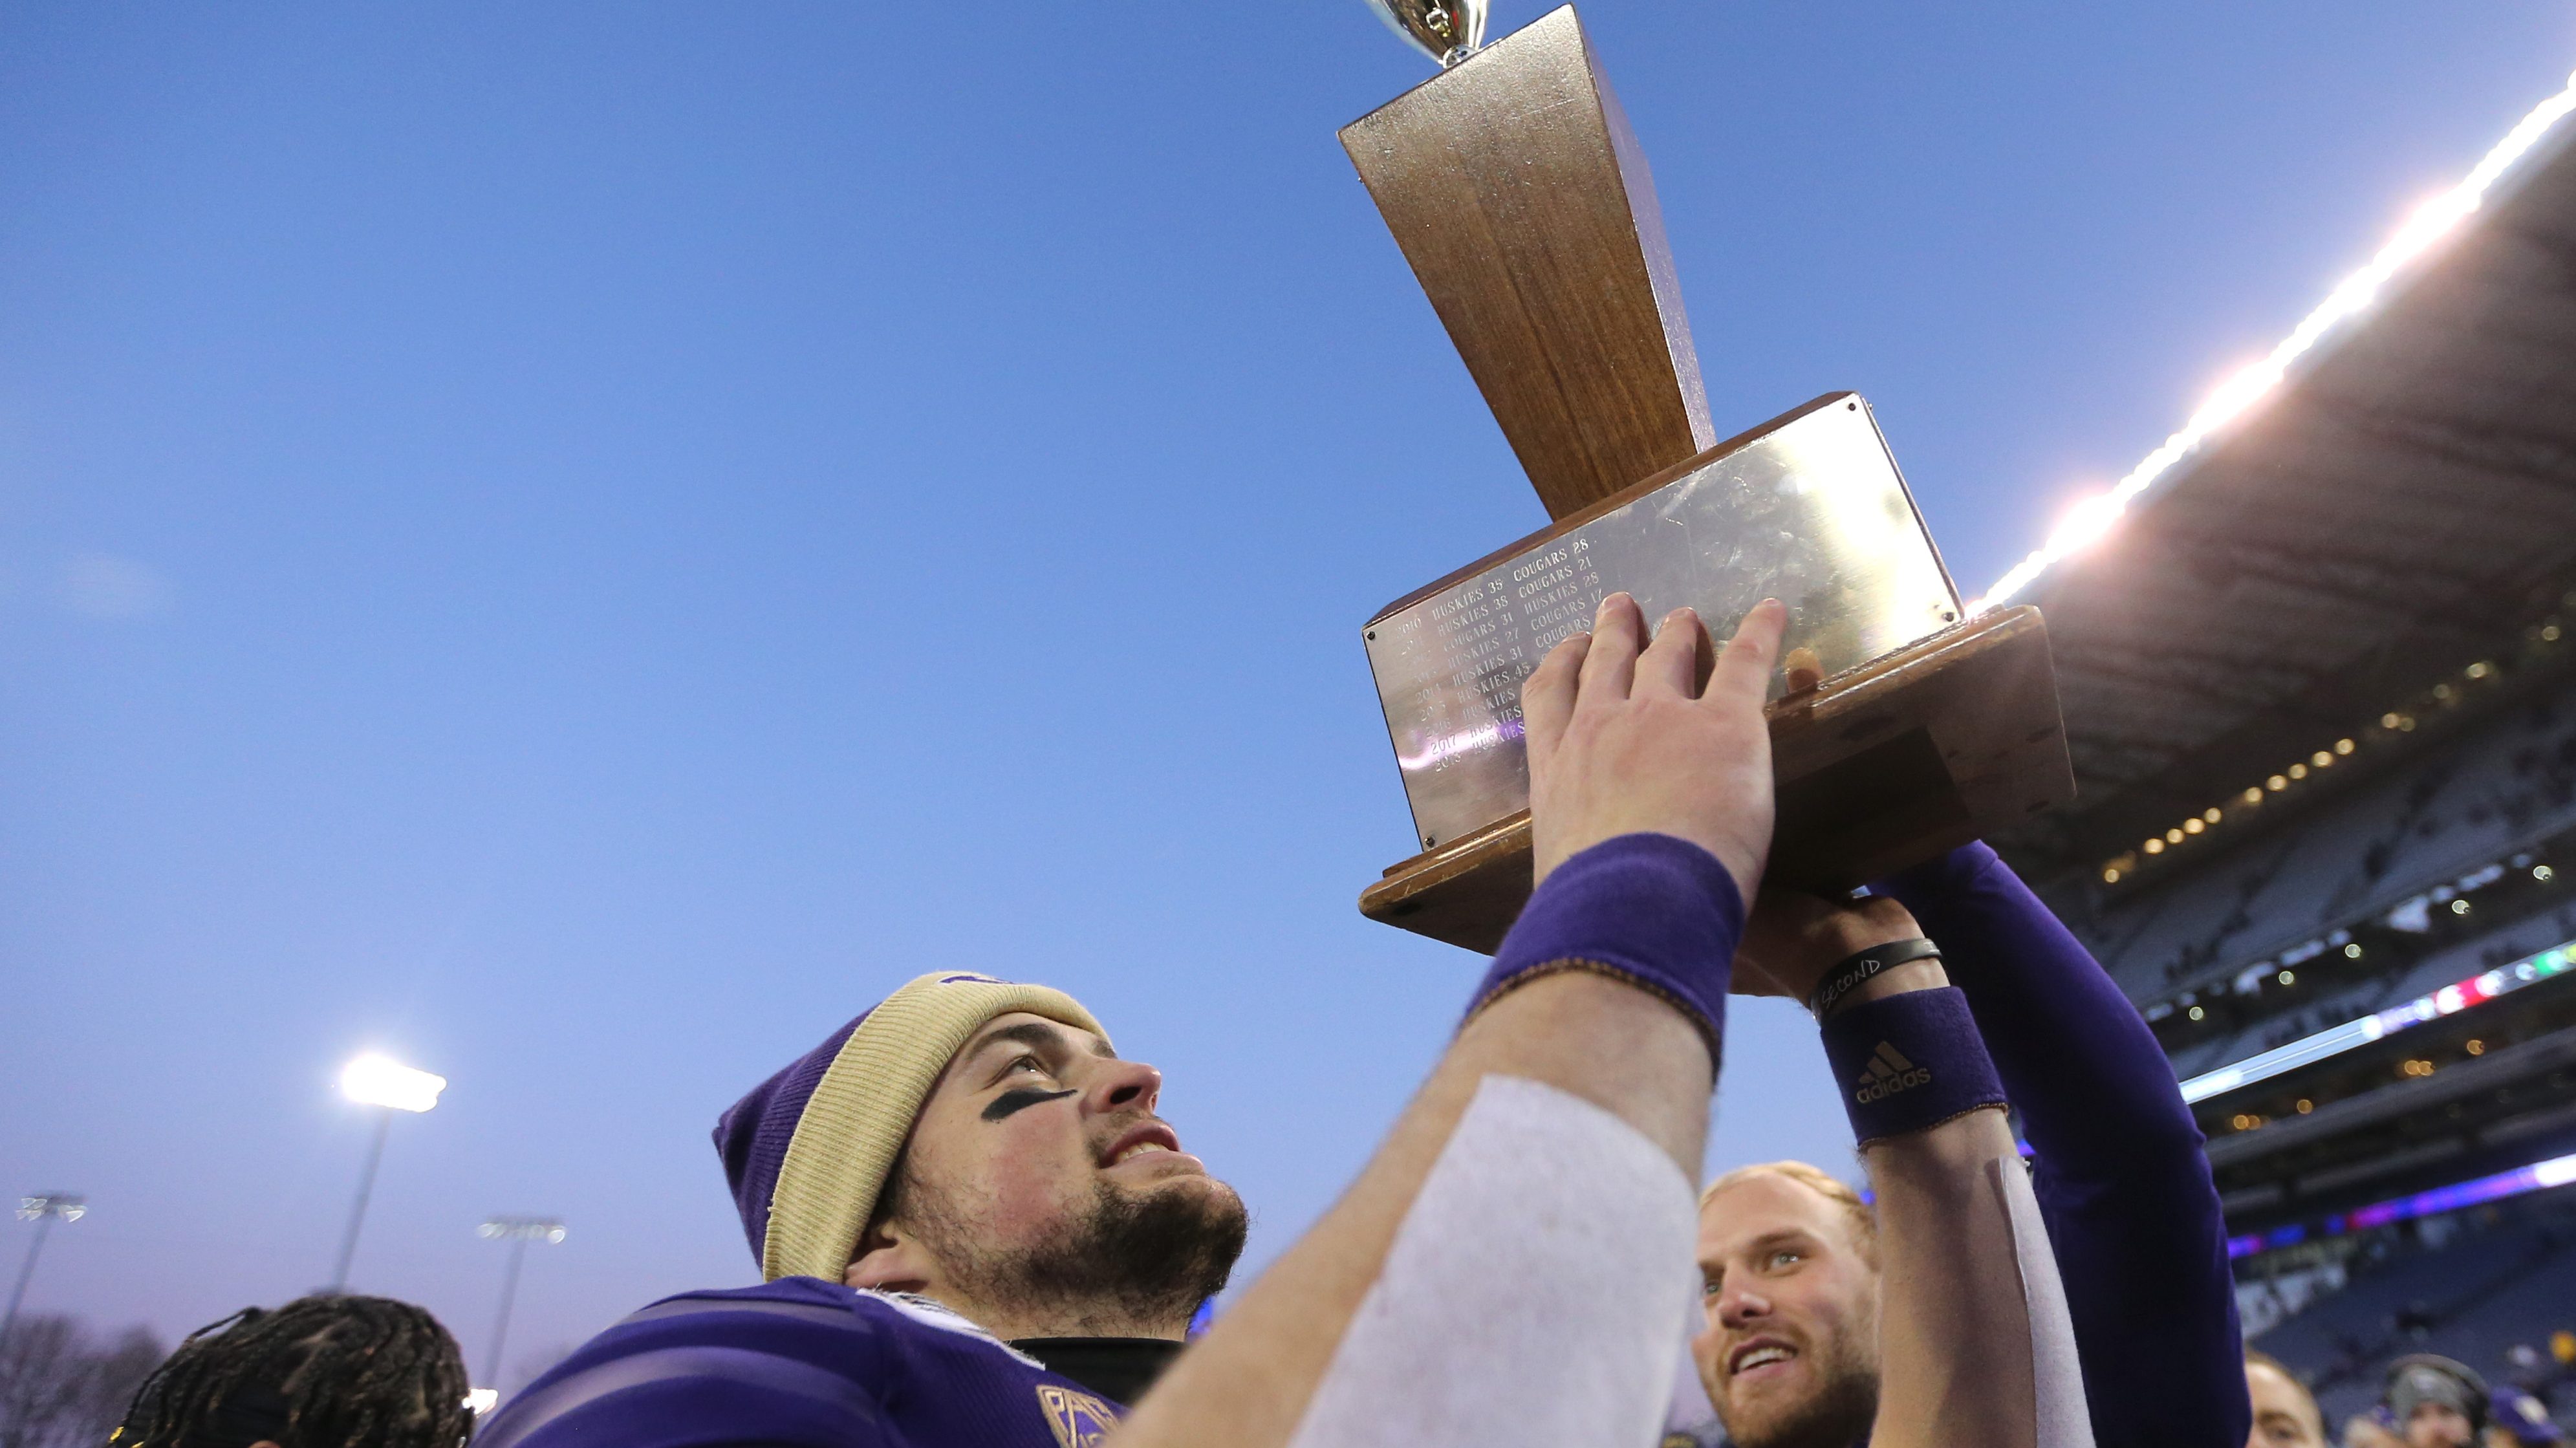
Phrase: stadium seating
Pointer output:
(2508, 780)
(2472, 1286)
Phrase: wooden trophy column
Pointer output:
(1516, 191)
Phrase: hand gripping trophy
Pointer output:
(1902, 726)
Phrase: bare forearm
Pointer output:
(2119, 1171)
(1250, 1380)
(1954, 1332)
(1974, 1338)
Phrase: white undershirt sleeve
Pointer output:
(1530, 1294)
(2057, 1377)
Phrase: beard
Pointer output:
(1131, 1261)
(1835, 1412)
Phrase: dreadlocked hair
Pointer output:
(327, 1371)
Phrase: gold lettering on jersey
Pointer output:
(1079, 1419)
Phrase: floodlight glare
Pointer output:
(518, 1232)
(44, 1209)
(479, 1401)
(2429, 223)
(373, 1080)
(534, 1229)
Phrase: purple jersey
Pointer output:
(799, 1363)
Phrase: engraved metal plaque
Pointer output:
(1811, 511)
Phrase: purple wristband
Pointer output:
(1908, 1062)
(1655, 911)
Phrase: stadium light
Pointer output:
(2353, 1035)
(44, 1209)
(2481, 672)
(388, 1086)
(518, 1232)
(373, 1080)
(2435, 219)
(2557, 1171)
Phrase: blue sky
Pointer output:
(581, 546)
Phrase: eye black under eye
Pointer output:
(1010, 1103)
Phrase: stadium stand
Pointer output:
(2318, 662)
(2506, 786)
(2490, 1282)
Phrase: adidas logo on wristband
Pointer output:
(1889, 1072)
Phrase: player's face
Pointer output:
(1041, 1196)
(1790, 1353)
(2284, 1415)
(2438, 1425)
(1032, 1120)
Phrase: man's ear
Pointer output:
(890, 1260)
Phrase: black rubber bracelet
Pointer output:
(1860, 967)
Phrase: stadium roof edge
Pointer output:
(2388, 499)
(2416, 240)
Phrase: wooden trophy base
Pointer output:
(1880, 768)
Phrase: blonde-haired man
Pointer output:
(1791, 1354)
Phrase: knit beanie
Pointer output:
(808, 1151)
(2431, 1378)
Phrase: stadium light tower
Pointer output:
(44, 1209)
(388, 1086)
(518, 1232)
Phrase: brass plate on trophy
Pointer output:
(1882, 768)
(1809, 508)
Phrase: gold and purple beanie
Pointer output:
(808, 1151)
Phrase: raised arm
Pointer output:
(1512, 1264)
(2121, 1178)
(1974, 1341)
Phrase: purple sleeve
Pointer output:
(2132, 1212)
(1654, 911)
(726, 1377)
(706, 1409)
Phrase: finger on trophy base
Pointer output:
(1882, 767)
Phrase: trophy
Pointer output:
(1524, 205)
